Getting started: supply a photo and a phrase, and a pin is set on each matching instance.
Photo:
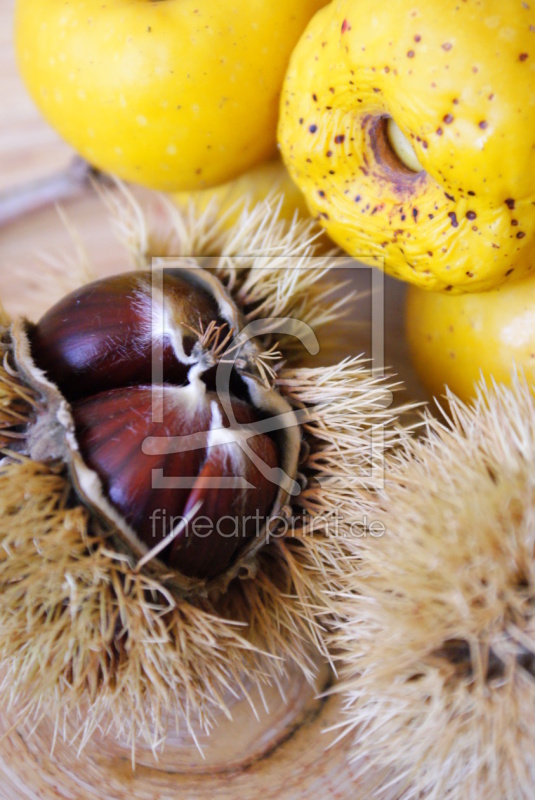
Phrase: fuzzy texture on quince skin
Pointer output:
(455, 340)
(176, 94)
(459, 80)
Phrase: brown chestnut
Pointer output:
(190, 478)
(112, 332)
(155, 486)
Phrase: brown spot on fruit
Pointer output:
(523, 56)
(448, 119)
(520, 235)
(453, 217)
(410, 54)
(339, 138)
(471, 215)
(510, 203)
(312, 128)
(447, 46)
(345, 26)
(483, 124)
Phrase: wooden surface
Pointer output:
(303, 763)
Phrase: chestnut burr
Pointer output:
(190, 477)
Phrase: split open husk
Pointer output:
(81, 625)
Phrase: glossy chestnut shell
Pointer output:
(191, 478)
(106, 334)
(152, 507)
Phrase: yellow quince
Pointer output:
(268, 181)
(454, 340)
(409, 126)
(171, 94)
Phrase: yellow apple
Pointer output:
(455, 339)
(171, 94)
(409, 126)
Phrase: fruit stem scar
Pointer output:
(391, 166)
(402, 147)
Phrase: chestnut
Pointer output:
(187, 478)
(148, 484)
(107, 334)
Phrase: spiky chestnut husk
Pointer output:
(82, 625)
(96, 348)
(436, 633)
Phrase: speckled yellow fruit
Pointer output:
(453, 340)
(268, 180)
(458, 78)
(171, 94)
